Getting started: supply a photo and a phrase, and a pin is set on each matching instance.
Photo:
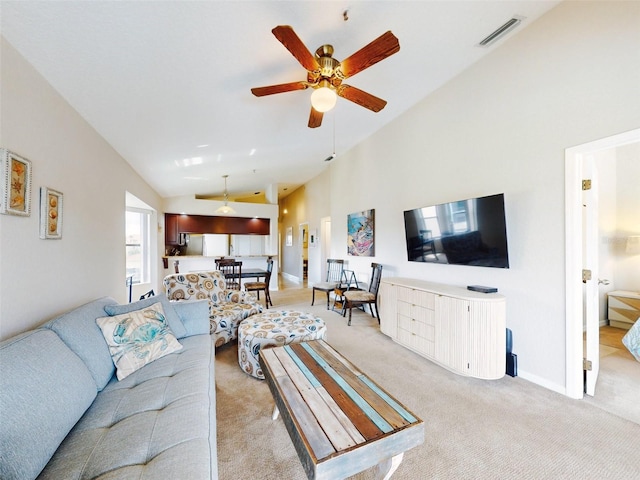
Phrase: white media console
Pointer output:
(461, 330)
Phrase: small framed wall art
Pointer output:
(15, 198)
(50, 213)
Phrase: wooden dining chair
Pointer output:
(360, 298)
(262, 286)
(232, 271)
(221, 259)
(335, 268)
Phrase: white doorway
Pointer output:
(577, 244)
(325, 245)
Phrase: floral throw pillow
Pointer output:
(137, 338)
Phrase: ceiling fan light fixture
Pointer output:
(323, 98)
(225, 209)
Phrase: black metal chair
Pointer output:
(262, 286)
(348, 282)
(360, 298)
(335, 268)
(149, 294)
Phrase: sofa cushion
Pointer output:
(159, 422)
(194, 316)
(78, 330)
(138, 338)
(175, 324)
(45, 388)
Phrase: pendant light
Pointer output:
(225, 209)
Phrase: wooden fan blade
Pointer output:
(282, 88)
(361, 97)
(315, 118)
(292, 42)
(382, 47)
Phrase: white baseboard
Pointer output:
(543, 382)
(290, 277)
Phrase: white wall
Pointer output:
(42, 278)
(503, 126)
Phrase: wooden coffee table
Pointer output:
(339, 420)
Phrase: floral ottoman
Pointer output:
(274, 329)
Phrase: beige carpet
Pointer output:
(474, 429)
(618, 386)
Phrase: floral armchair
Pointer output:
(227, 308)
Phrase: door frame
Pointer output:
(591, 261)
(574, 376)
(303, 228)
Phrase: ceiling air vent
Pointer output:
(501, 31)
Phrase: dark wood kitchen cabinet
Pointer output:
(170, 229)
(175, 224)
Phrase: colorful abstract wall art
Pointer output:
(360, 241)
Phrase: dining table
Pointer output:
(256, 273)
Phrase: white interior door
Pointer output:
(590, 265)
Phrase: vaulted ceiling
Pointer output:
(168, 83)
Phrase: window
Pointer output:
(138, 244)
(430, 225)
(449, 219)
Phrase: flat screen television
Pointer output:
(465, 232)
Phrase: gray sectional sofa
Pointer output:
(64, 414)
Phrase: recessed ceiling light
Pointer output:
(187, 162)
(204, 145)
(253, 150)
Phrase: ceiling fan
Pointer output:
(325, 74)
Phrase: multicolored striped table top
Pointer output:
(339, 420)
